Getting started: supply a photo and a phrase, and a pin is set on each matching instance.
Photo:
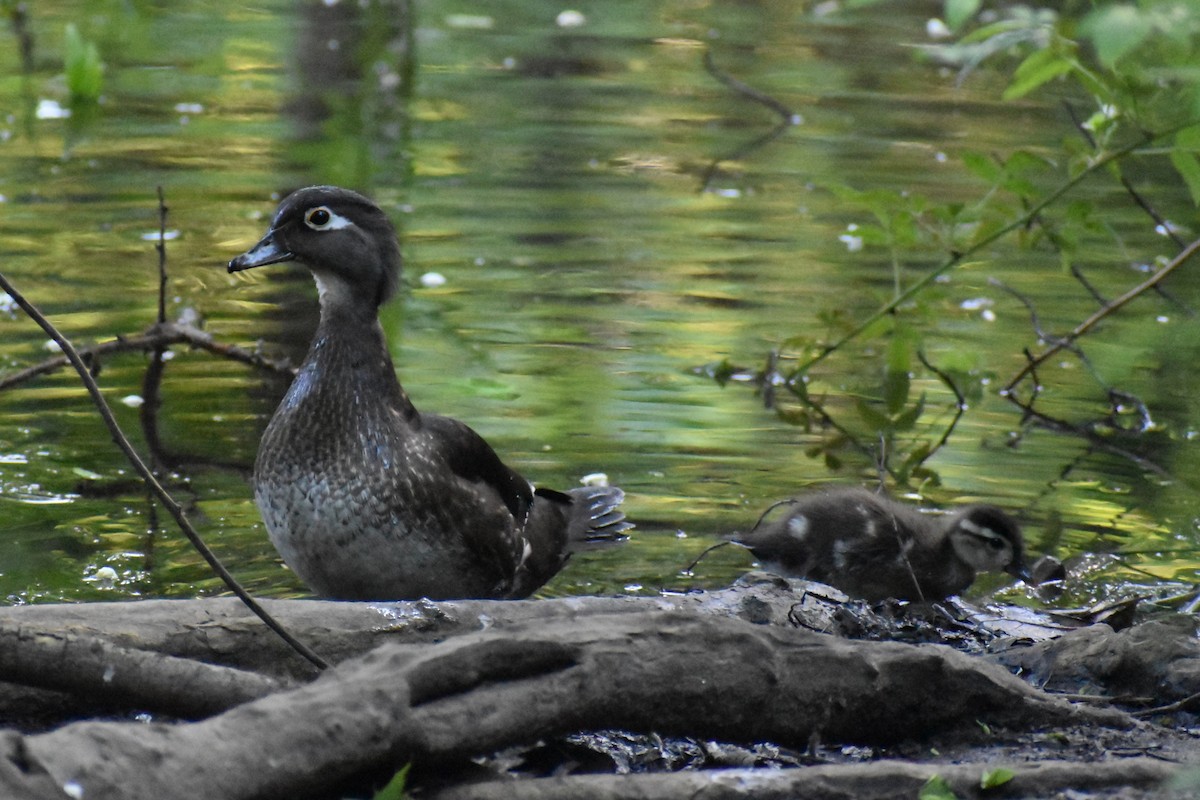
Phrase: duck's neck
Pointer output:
(348, 366)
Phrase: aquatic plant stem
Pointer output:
(956, 258)
(148, 477)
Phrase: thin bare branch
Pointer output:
(788, 118)
(161, 247)
(1079, 276)
(147, 475)
(960, 405)
(745, 90)
(167, 333)
(1106, 311)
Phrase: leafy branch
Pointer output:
(1134, 65)
(956, 258)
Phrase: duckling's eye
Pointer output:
(995, 543)
(321, 218)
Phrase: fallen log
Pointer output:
(107, 673)
(878, 780)
(476, 693)
(222, 631)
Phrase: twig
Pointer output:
(161, 247)
(152, 483)
(788, 118)
(692, 566)
(960, 405)
(1079, 276)
(1034, 320)
(1044, 336)
(745, 90)
(1104, 312)
(791, 501)
(1094, 441)
(1178, 705)
(800, 391)
(148, 413)
(955, 258)
(165, 334)
(1161, 223)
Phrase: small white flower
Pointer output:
(936, 29)
(51, 109)
(570, 19)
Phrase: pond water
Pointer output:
(607, 237)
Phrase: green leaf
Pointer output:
(899, 352)
(896, 385)
(1189, 169)
(1189, 138)
(917, 454)
(84, 69)
(995, 777)
(990, 31)
(1183, 157)
(1039, 68)
(1115, 31)
(395, 787)
(936, 788)
(982, 166)
(959, 11)
(876, 421)
(908, 419)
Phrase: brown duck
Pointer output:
(364, 496)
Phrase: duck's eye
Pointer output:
(320, 218)
(996, 544)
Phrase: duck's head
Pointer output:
(346, 240)
(987, 539)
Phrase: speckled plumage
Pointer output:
(874, 548)
(363, 496)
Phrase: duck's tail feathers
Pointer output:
(596, 517)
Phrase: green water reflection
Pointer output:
(552, 175)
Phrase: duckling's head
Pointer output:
(987, 539)
(346, 240)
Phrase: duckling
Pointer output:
(365, 497)
(873, 548)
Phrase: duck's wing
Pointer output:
(494, 538)
(471, 458)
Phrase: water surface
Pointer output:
(605, 239)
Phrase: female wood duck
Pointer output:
(874, 548)
(365, 497)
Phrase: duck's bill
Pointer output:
(1020, 570)
(265, 252)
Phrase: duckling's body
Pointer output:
(365, 497)
(874, 548)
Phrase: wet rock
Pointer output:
(1158, 659)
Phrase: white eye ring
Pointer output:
(322, 218)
